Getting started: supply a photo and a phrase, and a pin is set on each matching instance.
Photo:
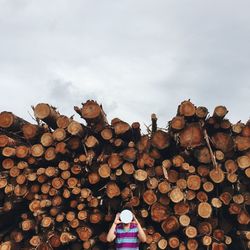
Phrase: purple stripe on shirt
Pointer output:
(128, 245)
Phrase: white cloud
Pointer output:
(134, 57)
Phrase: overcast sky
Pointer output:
(136, 57)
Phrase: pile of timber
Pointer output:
(62, 181)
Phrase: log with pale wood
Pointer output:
(62, 181)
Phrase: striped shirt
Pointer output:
(127, 239)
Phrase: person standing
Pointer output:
(127, 231)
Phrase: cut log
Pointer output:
(63, 121)
(220, 112)
(225, 197)
(173, 242)
(104, 170)
(243, 217)
(193, 182)
(223, 142)
(218, 246)
(129, 154)
(93, 113)
(31, 131)
(177, 123)
(191, 232)
(184, 220)
(170, 224)
(204, 210)
(22, 151)
(231, 166)
(181, 208)
(191, 136)
(203, 155)
(176, 195)
(9, 151)
(76, 128)
(128, 168)
(164, 187)
(192, 244)
(160, 139)
(59, 134)
(243, 161)
(140, 175)
(112, 190)
(201, 112)
(158, 212)
(46, 113)
(6, 141)
(186, 108)
(205, 228)
(47, 139)
(206, 240)
(149, 197)
(115, 160)
(217, 175)
(11, 122)
(162, 243)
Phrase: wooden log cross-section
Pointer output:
(64, 179)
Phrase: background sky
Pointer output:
(135, 57)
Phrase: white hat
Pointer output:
(126, 216)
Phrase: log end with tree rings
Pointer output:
(242, 143)
(191, 232)
(6, 119)
(181, 208)
(75, 128)
(233, 177)
(176, 195)
(160, 139)
(149, 197)
(37, 150)
(140, 175)
(231, 166)
(47, 139)
(186, 108)
(201, 112)
(112, 190)
(91, 110)
(158, 212)
(84, 233)
(193, 182)
(162, 243)
(243, 217)
(173, 241)
(59, 134)
(22, 151)
(220, 112)
(121, 128)
(104, 171)
(192, 244)
(216, 202)
(243, 161)
(169, 225)
(42, 110)
(206, 240)
(217, 175)
(204, 210)
(6, 245)
(184, 220)
(203, 155)
(177, 123)
(191, 136)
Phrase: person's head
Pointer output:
(126, 216)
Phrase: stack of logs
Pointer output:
(62, 181)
